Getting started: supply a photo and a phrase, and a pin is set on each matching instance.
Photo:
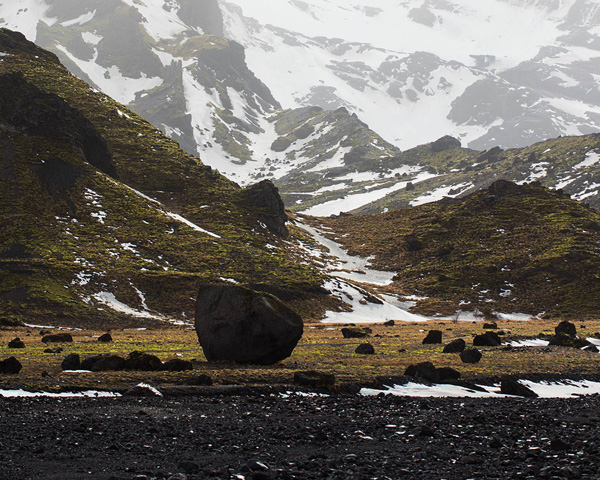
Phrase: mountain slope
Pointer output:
(107, 222)
(507, 248)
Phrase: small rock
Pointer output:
(143, 362)
(314, 379)
(389, 323)
(471, 355)
(58, 338)
(354, 332)
(455, 346)
(16, 343)
(54, 350)
(71, 362)
(178, 365)
(434, 337)
(365, 349)
(513, 387)
(45, 374)
(567, 328)
(10, 366)
(424, 370)
(591, 349)
(106, 338)
(490, 326)
(488, 339)
(448, 373)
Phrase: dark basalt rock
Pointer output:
(389, 323)
(103, 363)
(471, 355)
(16, 343)
(71, 362)
(143, 362)
(424, 370)
(355, 332)
(265, 199)
(204, 14)
(178, 365)
(566, 328)
(58, 338)
(490, 326)
(512, 387)
(488, 339)
(106, 338)
(314, 379)
(455, 346)
(564, 340)
(448, 373)
(434, 337)
(10, 366)
(365, 349)
(200, 380)
(237, 324)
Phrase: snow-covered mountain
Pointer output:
(321, 95)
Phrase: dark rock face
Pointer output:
(10, 366)
(58, 338)
(16, 343)
(448, 374)
(71, 362)
(314, 379)
(264, 197)
(445, 143)
(566, 328)
(424, 370)
(471, 355)
(237, 324)
(106, 338)
(488, 339)
(26, 109)
(455, 346)
(434, 337)
(205, 14)
(354, 332)
(365, 349)
(512, 387)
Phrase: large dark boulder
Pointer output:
(566, 328)
(365, 349)
(144, 362)
(10, 366)
(237, 324)
(564, 340)
(513, 387)
(178, 365)
(424, 370)
(488, 339)
(266, 202)
(448, 374)
(434, 337)
(71, 362)
(58, 338)
(106, 338)
(16, 343)
(471, 355)
(103, 363)
(455, 346)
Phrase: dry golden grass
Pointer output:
(322, 348)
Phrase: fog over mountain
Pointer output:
(321, 96)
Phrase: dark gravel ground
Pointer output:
(261, 436)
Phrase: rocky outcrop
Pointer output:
(266, 202)
(204, 14)
(240, 325)
(424, 370)
(513, 387)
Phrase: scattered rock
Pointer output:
(471, 355)
(16, 343)
(106, 338)
(513, 387)
(58, 338)
(237, 324)
(365, 349)
(143, 362)
(389, 323)
(71, 362)
(490, 326)
(434, 337)
(54, 350)
(103, 363)
(424, 370)
(566, 328)
(45, 332)
(10, 366)
(564, 340)
(488, 339)
(178, 365)
(448, 373)
(314, 379)
(355, 332)
(455, 346)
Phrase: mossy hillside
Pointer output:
(166, 252)
(504, 249)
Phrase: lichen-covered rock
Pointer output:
(354, 332)
(144, 362)
(237, 324)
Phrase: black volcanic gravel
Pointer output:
(270, 437)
